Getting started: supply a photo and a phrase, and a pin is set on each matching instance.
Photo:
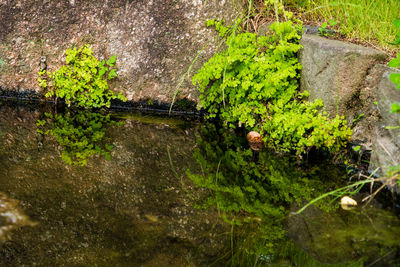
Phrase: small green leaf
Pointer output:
(112, 74)
(395, 62)
(396, 23)
(396, 42)
(101, 72)
(112, 59)
(107, 156)
(395, 78)
(109, 147)
(333, 22)
(395, 108)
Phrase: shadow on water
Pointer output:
(113, 189)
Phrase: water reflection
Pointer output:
(255, 191)
(80, 133)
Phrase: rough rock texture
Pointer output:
(386, 148)
(155, 41)
(345, 77)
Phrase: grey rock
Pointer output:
(309, 29)
(344, 76)
(386, 148)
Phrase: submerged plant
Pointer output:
(83, 81)
(254, 83)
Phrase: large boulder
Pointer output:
(386, 147)
(345, 77)
(155, 41)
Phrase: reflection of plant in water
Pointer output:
(253, 188)
(80, 133)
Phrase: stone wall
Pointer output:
(155, 41)
(353, 80)
(386, 147)
(346, 78)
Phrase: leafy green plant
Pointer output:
(396, 24)
(395, 78)
(83, 81)
(323, 30)
(81, 134)
(254, 83)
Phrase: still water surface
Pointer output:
(139, 190)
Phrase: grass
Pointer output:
(368, 22)
(359, 20)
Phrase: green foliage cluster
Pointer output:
(254, 189)
(81, 134)
(254, 82)
(83, 81)
(395, 78)
(323, 30)
(395, 63)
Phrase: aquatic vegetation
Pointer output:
(254, 83)
(83, 81)
(254, 189)
(257, 192)
(81, 134)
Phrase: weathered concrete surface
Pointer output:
(155, 41)
(345, 77)
(386, 147)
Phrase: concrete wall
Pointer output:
(155, 41)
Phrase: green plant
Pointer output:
(323, 30)
(254, 83)
(395, 78)
(363, 20)
(81, 134)
(83, 81)
(396, 24)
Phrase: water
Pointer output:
(140, 190)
